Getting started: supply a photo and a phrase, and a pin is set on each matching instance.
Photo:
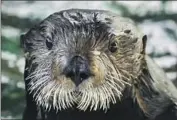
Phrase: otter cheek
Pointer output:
(98, 69)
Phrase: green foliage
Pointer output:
(13, 100)
(17, 22)
(12, 46)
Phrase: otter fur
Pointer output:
(92, 65)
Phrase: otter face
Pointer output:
(81, 58)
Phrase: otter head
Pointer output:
(81, 58)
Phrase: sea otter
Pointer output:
(92, 65)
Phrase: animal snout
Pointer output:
(77, 69)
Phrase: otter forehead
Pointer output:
(92, 18)
(84, 26)
(72, 25)
(76, 29)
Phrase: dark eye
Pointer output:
(49, 44)
(113, 46)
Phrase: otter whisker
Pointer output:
(48, 90)
(55, 97)
(35, 82)
(122, 77)
(36, 74)
(119, 80)
(114, 80)
(38, 89)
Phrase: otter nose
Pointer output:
(77, 70)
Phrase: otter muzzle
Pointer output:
(77, 70)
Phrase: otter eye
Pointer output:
(113, 46)
(49, 44)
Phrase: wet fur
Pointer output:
(124, 90)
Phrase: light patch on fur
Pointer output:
(95, 52)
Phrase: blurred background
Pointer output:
(157, 19)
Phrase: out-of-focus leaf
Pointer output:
(12, 46)
(172, 33)
(21, 23)
(119, 7)
(13, 98)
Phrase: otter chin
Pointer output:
(92, 63)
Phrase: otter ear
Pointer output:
(144, 41)
(22, 42)
(23, 45)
